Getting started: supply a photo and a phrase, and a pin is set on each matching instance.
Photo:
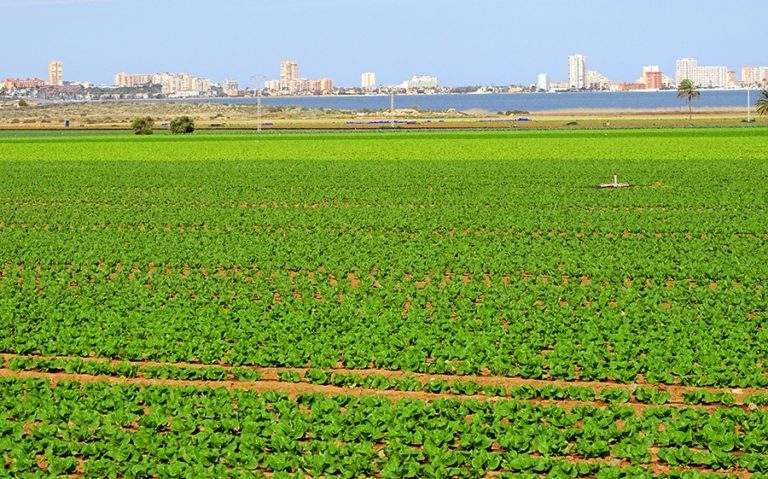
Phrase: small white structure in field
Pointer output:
(615, 183)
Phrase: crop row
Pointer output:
(143, 431)
(378, 381)
(375, 278)
(33, 223)
(704, 336)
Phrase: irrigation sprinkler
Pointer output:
(614, 184)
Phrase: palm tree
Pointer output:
(762, 104)
(688, 90)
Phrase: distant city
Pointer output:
(291, 83)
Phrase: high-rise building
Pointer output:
(597, 80)
(272, 85)
(56, 73)
(420, 82)
(653, 78)
(542, 82)
(748, 75)
(368, 81)
(754, 76)
(701, 76)
(713, 76)
(326, 86)
(130, 80)
(762, 75)
(289, 70)
(685, 69)
(577, 71)
(290, 83)
(181, 84)
(230, 88)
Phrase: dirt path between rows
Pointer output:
(272, 374)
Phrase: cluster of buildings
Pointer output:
(171, 84)
(183, 85)
(653, 78)
(55, 79)
(754, 76)
(186, 85)
(130, 85)
(420, 83)
(291, 83)
(415, 84)
(53, 87)
(582, 78)
(719, 76)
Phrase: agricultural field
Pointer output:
(402, 304)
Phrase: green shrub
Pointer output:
(182, 125)
(142, 125)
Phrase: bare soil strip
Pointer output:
(273, 373)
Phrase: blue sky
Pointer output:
(462, 42)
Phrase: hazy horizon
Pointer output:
(462, 43)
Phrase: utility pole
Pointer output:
(749, 104)
(392, 107)
(258, 111)
(258, 79)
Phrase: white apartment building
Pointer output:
(577, 71)
(713, 77)
(230, 88)
(176, 84)
(542, 82)
(368, 81)
(597, 80)
(289, 70)
(754, 76)
(123, 79)
(686, 68)
(701, 76)
(420, 82)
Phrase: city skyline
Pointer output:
(503, 43)
(578, 77)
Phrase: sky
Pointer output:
(469, 42)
